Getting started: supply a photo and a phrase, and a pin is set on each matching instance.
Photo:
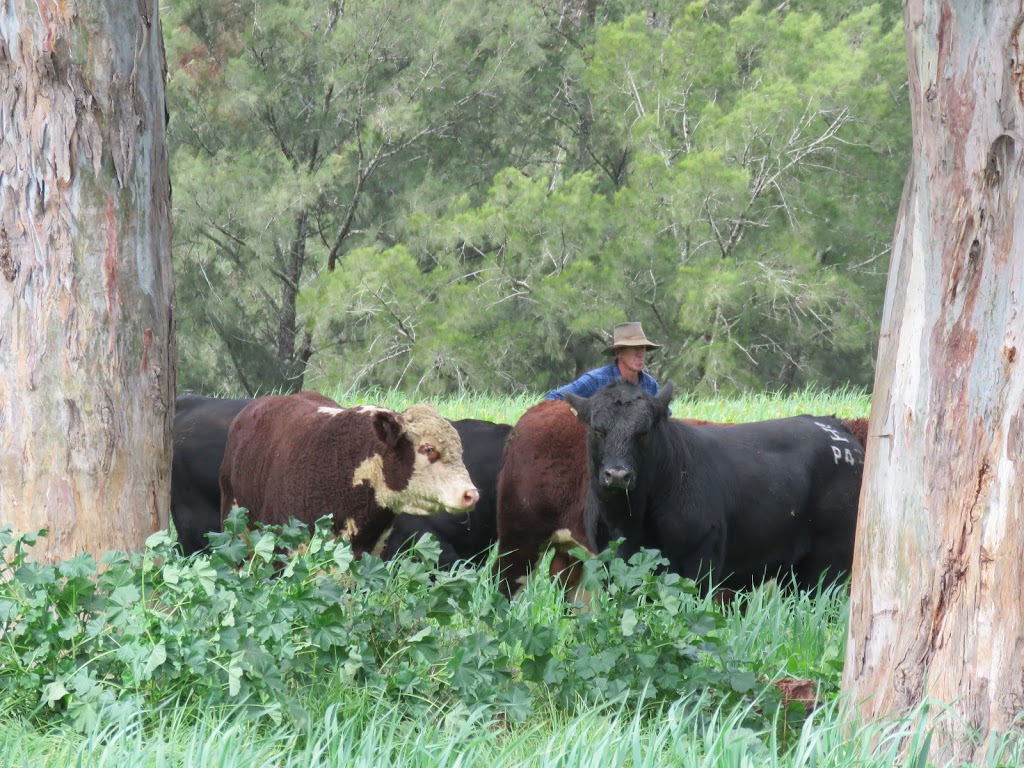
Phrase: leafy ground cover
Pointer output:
(280, 649)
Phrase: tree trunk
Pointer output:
(87, 352)
(936, 607)
(293, 367)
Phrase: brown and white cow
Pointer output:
(304, 456)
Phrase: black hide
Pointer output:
(743, 502)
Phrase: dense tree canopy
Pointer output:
(458, 195)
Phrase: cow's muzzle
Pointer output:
(617, 477)
(469, 498)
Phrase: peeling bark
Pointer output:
(87, 352)
(936, 610)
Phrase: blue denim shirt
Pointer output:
(591, 381)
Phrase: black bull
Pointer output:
(200, 434)
(744, 503)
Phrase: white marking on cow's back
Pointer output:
(368, 409)
(329, 410)
(836, 437)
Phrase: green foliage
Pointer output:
(726, 172)
(272, 615)
(645, 634)
(301, 131)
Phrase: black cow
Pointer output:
(200, 434)
(744, 503)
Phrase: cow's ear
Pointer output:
(664, 396)
(387, 427)
(579, 405)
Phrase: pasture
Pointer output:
(248, 657)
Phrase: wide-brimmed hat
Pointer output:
(629, 335)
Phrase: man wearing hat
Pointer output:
(629, 345)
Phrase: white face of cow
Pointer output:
(439, 481)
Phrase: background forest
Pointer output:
(457, 195)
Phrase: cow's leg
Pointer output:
(834, 520)
(193, 519)
(513, 564)
(596, 529)
(828, 562)
(702, 561)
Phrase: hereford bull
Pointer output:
(304, 456)
(740, 504)
(201, 432)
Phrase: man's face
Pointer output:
(632, 358)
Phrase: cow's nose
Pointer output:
(470, 498)
(616, 477)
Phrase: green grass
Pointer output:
(752, 407)
(767, 634)
(360, 730)
(358, 726)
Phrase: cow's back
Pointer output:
(787, 490)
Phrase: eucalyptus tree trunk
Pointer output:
(87, 349)
(937, 610)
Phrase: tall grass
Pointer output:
(361, 731)
(353, 725)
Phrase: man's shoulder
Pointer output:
(604, 372)
(586, 384)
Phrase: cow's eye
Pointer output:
(430, 452)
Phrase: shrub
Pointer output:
(274, 613)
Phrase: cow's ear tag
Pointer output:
(574, 412)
